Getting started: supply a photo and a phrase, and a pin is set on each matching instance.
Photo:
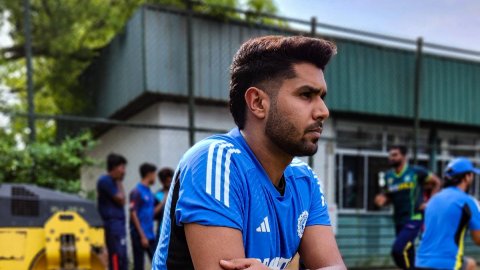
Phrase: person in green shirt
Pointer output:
(405, 190)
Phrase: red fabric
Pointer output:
(115, 261)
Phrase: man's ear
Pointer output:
(257, 102)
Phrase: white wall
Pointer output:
(160, 147)
(166, 147)
(137, 145)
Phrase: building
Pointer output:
(141, 76)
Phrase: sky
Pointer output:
(447, 22)
(453, 23)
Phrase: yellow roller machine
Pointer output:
(41, 229)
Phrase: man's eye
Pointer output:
(306, 94)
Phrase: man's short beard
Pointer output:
(282, 133)
(395, 164)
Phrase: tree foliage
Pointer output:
(48, 165)
(66, 36)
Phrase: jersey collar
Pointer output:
(404, 169)
(237, 135)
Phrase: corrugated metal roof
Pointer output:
(150, 56)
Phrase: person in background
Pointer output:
(405, 190)
(165, 176)
(447, 217)
(141, 207)
(110, 202)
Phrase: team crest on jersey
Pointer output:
(302, 221)
(390, 181)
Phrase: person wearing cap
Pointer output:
(448, 216)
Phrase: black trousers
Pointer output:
(139, 251)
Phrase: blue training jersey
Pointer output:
(142, 201)
(447, 217)
(112, 213)
(219, 182)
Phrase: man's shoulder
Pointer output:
(104, 180)
(300, 168)
(451, 194)
(104, 177)
(219, 147)
(135, 191)
(418, 169)
(389, 173)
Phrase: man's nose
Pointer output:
(320, 109)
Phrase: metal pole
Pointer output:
(28, 58)
(433, 139)
(416, 98)
(313, 32)
(190, 74)
(313, 26)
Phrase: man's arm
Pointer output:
(318, 248)
(435, 180)
(381, 200)
(476, 237)
(208, 245)
(119, 197)
(135, 203)
(159, 206)
(474, 224)
(136, 223)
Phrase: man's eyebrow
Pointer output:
(312, 89)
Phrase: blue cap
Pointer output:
(460, 165)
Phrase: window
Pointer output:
(376, 166)
(461, 147)
(359, 179)
(350, 181)
(361, 158)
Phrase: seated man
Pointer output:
(240, 200)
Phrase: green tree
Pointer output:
(66, 36)
(48, 165)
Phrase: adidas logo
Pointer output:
(264, 226)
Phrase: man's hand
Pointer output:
(241, 264)
(381, 200)
(145, 243)
(422, 206)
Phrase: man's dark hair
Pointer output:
(147, 168)
(401, 148)
(271, 58)
(164, 174)
(454, 180)
(114, 160)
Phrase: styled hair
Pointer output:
(271, 58)
(147, 168)
(115, 160)
(401, 148)
(454, 180)
(165, 173)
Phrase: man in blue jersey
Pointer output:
(448, 216)
(405, 190)
(240, 200)
(142, 212)
(111, 200)
(165, 176)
